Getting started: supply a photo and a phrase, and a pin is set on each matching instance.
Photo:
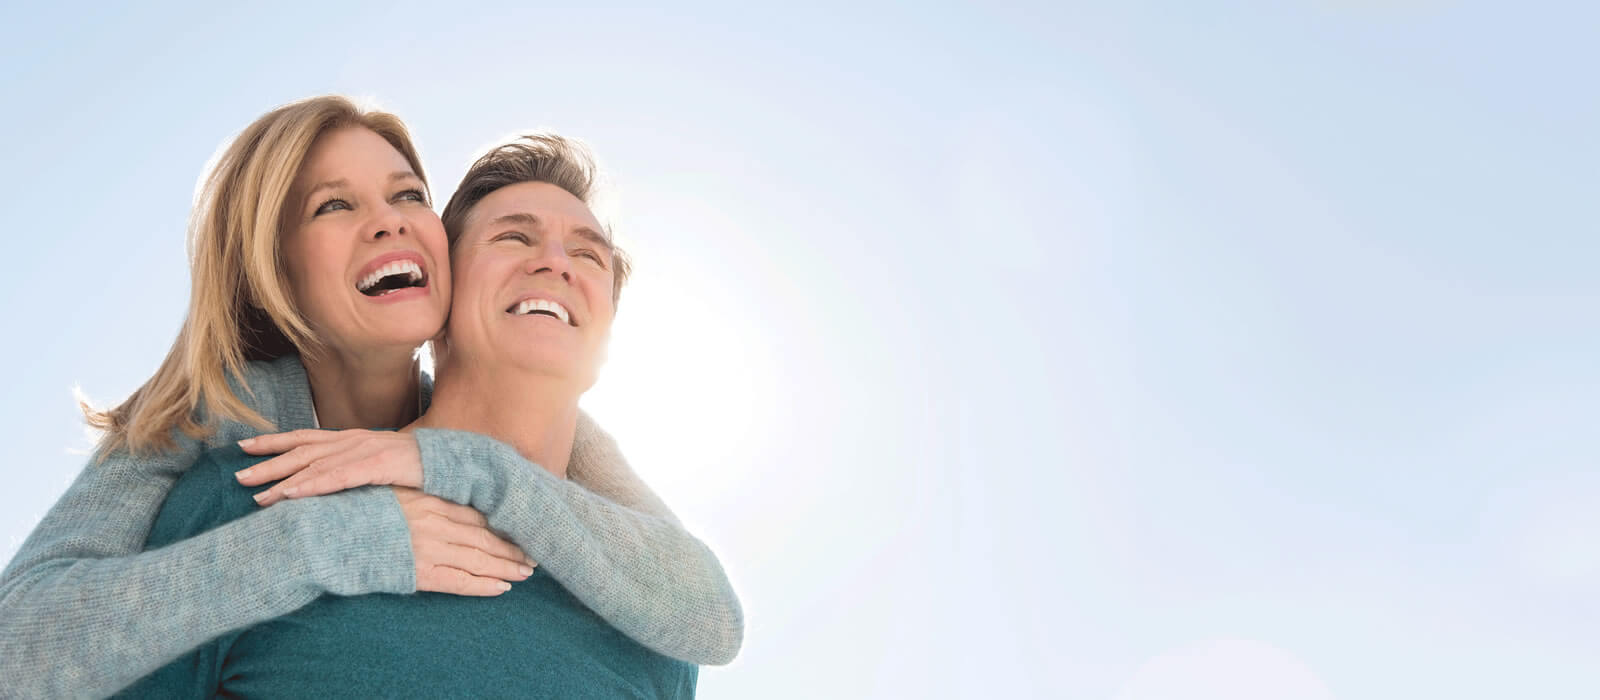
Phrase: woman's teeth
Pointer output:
(410, 270)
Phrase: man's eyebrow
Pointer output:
(519, 219)
(592, 236)
(531, 221)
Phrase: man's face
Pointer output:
(533, 277)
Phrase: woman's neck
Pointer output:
(536, 415)
(372, 391)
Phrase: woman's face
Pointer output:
(534, 274)
(364, 251)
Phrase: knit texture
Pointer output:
(534, 641)
(83, 612)
(614, 559)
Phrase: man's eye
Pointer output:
(331, 205)
(592, 256)
(512, 236)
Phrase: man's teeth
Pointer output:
(529, 306)
(409, 268)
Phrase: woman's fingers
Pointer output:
(274, 443)
(295, 472)
(479, 563)
(355, 458)
(287, 463)
(479, 539)
(465, 515)
(413, 500)
(344, 469)
(443, 579)
(462, 559)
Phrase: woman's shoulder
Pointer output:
(272, 379)
(278, 390)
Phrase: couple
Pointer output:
(319, 267)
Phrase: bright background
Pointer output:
(1216, 349)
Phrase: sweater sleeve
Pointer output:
(208, 498)
(598, 465)
(642, 573)
(83, 611)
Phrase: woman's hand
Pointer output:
(317, 462)
(455, 550)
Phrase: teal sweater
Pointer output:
(534, 641)
(84, 612)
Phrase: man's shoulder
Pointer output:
(207, 495)
(222, 461)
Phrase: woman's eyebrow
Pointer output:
(329, 185)
(395, 176)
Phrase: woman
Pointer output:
(83, 612)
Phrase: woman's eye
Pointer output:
(331, 205)
(512, 236)
(592, 256)
(413, 195)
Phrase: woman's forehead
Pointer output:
(352, 150)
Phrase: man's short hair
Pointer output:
(539, 157)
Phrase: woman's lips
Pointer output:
(392, 273)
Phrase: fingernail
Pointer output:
(504, 586)
(260, 497)
(526, 570)
(247, 442)
(242, 474)
(290, 492)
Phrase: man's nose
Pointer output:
(551, 258)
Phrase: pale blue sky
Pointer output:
(1242, 349)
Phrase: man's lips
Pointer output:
(538, 304)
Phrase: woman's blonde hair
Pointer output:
(240, 304)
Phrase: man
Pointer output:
(537, 279)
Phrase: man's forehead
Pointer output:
(536, 208)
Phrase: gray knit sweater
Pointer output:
(83, 612)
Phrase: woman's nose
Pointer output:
(388, 222)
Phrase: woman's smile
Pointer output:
(394, 277)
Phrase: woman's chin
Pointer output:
(397, 338)
(407, 324)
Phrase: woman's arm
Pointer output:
(642, 573)
(598, 465)
(83, 612)
(89, 626)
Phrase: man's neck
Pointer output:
(536, 415)
(377, 391)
